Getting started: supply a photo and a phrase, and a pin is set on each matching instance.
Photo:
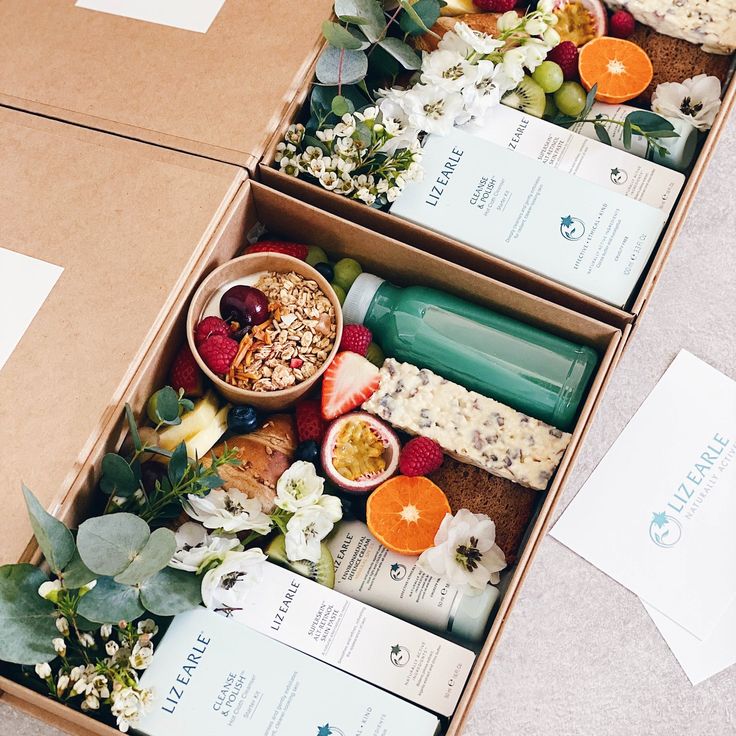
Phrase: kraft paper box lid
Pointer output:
(127, 222)
(219, 94)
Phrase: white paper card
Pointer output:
(700, 659)
(189, 15)
(25, 283)
(657, 513)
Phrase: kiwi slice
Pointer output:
(528, 97)
(322, 572)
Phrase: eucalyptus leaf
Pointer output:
(171, 591)
(647, 121)
(341, 66)
(133, 426)
(419, 17)
(402, 52)
(589, 100)
(602, 134)
(26, 619)
(164, 406)
(109, 602)
(178, 464)
(362, 134)
(108, 544)
(76, 573)
(342, 105)
(118, 478)
(54, 539)
(663, 134)
(368, 14)
(627, 133)
(322, 96)
(156, 555)
(340, 37)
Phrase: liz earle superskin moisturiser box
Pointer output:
(560, 226)
(371, 644)
(213, 677)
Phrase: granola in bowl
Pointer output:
(293, 343)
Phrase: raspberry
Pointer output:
(210, 326)
(420, 456)
(218, 353)
(495, 6)
(566, 55)
(356, 339)
(309, 422)
(185, 373)
(295, 250)
(621, 24)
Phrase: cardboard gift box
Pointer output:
(136, 228)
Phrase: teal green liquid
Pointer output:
(529, 369)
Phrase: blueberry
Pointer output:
(308, 451)
(242, 419)
(326, 270)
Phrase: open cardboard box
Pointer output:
(87, 200)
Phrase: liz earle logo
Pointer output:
(399, 656)
(619, 176)
(666, 527)
(572, 228)
(329, 730)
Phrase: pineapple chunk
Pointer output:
(459, 7)
(192, 423)
(202, 442)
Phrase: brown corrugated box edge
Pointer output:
(290, 218)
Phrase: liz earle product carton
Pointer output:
(556, 224)
(375, 646)
(213, 677)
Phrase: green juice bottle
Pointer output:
(529, 369)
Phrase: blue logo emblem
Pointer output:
(664, 530)
(399, 656)
(397, 571)
(328, 730)
(572, 228)
(619, 176)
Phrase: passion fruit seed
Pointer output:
(358, 452)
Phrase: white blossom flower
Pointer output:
(696, 100)
(306, 530)
(332, 506)
(141, 656)
(147, 626)
(106, 631)
(447, 70)
(128, 705)
(346, 126)
(62, 684)
(91, 702)
(509, 21)
(535, 26)
(86, 640)
(227, 585)
(483, 43)
(326, 135)
(62, 626)
(431, 109)
(464, 552)
(535, 51)
(76, 673)
(111, 647)
(551, 37)
(59, 646)
(300, 485)
(229, 510)
(86, 588)
(80, 686)
(369, 113)
(195, 548)
(43, 670)
(50, 590)
(329, 179)
(295, 133)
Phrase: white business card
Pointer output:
(657, 513)
(25, 283)
(189, 15)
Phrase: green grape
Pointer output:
(341, 294)
(570, 99)
(316, 255)
(548, 76)
(346, 271)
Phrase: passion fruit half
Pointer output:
(580, 21)
(359, 452)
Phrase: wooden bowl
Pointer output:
(239, 268)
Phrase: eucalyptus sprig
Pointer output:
(647, 125)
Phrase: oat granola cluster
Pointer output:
(293, 343)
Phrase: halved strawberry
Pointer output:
(348, 381)
(186, 374)
(296, 250)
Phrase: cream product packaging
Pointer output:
(366, 570)
(576, 154)
(211, 676)
(363, 641)
(556, 224)
(680, 150)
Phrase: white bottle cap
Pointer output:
(359, 298)
(470, 615)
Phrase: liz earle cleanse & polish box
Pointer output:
(553, 223)
(213, 676)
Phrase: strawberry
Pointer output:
(348, 381)
(309, 422)
(420, 456)
(621, 24)
(218, 353)
(185, 373)
(495, 6)
(566, 55)
(210, 326)
(296, 250)
(356, 338)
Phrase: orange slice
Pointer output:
(621, 69)
(404, 513)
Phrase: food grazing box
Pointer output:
(127, 384)
(506, 188)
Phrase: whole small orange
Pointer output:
(621, 69)
(405, 512)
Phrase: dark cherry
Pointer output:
(244, 304)
(326, 270)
